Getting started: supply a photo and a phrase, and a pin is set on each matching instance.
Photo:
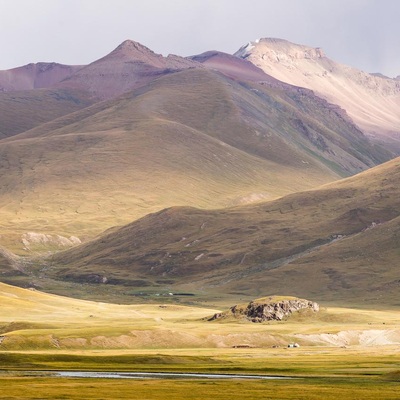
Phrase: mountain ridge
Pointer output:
(35, 76)
(129, 66)
(371, 101)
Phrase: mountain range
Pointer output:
(217, 159)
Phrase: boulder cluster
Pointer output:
(268, 309)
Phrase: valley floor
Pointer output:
(343, 353)
(49, 388)
(320, 373)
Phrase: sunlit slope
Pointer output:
(30, 305)
(283, 124)
(317, 244)
(194, 138)
(373, 102)
(104, 179)
(23, 304)
(32, 321)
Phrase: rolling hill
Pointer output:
(338, 243)
(372, 101)
(192, 138)
(138, 136)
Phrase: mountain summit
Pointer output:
(373, 102)
(281, 51)
(127, 67)
(130, 50)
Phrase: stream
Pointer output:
(155, 375)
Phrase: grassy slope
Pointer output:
(33, 320)
(259, 249)
(343, 267)
(23, 110)
(193, 138)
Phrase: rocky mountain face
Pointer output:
(269, 309)
(372, 101)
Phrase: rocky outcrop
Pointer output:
(30, 239)
(269, 309)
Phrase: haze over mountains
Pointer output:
(84, 149)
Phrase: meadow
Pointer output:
(344, 353)
(320, 374)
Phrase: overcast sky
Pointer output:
(361, 33)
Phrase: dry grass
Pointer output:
(193, 138)
(24, 110)
(55, 333)
(34, 320)
(57, 388)
(275, 247)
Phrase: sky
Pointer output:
(362, 33)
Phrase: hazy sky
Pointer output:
(361, 33)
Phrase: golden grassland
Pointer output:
(43, 332)
(34, 320)
(319, 373)
(316, 389)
